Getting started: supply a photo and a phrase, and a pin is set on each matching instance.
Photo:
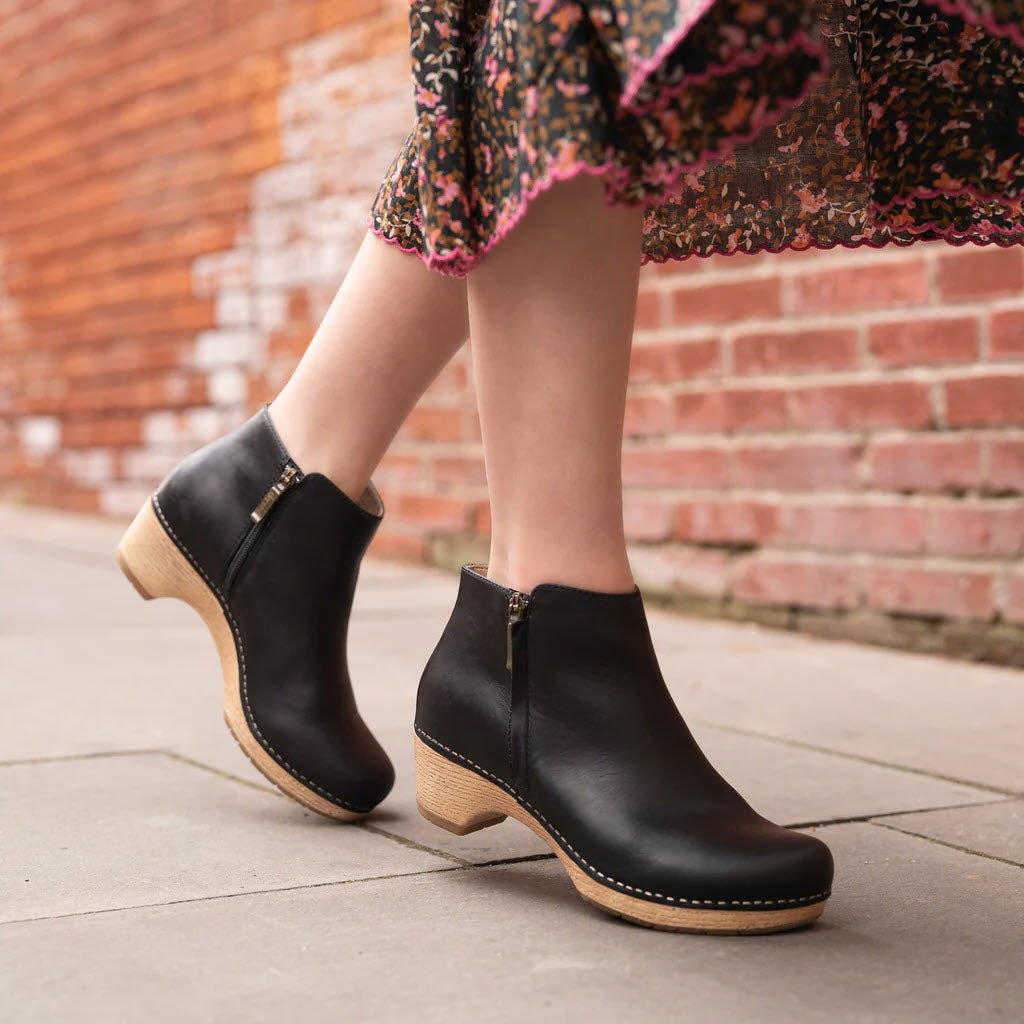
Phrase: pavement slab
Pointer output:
(944, 718)
(107, 832)
(148, 871)
(995, 830)
(916, 932)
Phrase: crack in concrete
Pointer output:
(862, 758)
(336, 883)
(895, 814)
(948, 844)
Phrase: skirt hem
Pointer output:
(458, 263)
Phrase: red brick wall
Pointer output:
(829, 441)
(833, 440)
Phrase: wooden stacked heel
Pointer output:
(461, 801)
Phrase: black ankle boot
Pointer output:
(550, 707)
(269, 557)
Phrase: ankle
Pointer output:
(313, 453)
(610, 574)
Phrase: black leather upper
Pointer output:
(289, 601)
(585, 733)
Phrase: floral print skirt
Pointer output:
(739, 125)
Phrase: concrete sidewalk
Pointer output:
(148, 872)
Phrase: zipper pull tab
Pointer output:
(289, 478)
(516, 610)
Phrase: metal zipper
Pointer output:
(290, 476)
(517, 605)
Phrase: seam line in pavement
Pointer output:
(91, 755)
(397, 837)
(173, 755)
(862, 758)
(395, 876)
(948, 844)
(856, 818)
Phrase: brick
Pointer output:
(432, 511)
(396, 542)
(926, 465)
(676, 268)
(792, 582)
(433, 423)
(856, 406)
(984, 401)
(1006, 465)
(878, 286)
(726, 522)
(934, 592)
(458, 469)
(482, 518)
(727, 303)
(978, 275)
(209, 223)
(977, 530)
(673, 568)
(101, 430)
(795, 351)
(797, 467)
(674, 467)
(674, 360)
(1013, 608)
(1006, 334)
(452, 380)
(925, 341)
(648, 310)
(889, 529)
(646, 415)
(647, 521)
(723, 410)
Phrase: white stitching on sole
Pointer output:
(594, 871)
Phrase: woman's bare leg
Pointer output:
(389, 331)
(551, 313)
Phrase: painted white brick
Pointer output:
(160, 428)
(288, 183)
(152, 464)
(123, 499)
(39, 435)
(89, 466)
(213, 271)
(233, 308)
(227, 387)
(207, 424)
(284, 268)
(379, 121)
(313, 57)
(271, 311)
(239, 347)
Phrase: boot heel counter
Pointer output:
(209, 496)
(463, 700)
(432, 691)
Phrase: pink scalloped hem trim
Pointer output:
(638, 77)
(458, 264)
(800, 40)
(922, 192)
(999, 29)
(865, 242)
